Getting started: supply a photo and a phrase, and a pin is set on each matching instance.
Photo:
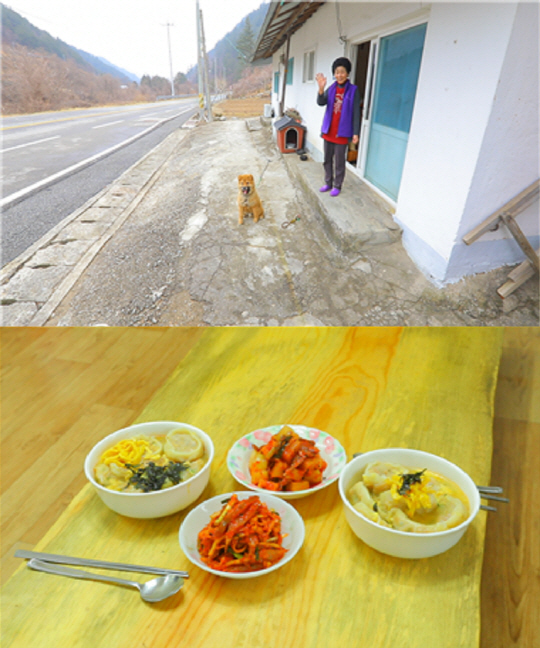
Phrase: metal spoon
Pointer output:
(152, 591)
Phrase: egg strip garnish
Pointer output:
(149, 463)
(412, 500)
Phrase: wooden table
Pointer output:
(427, 388)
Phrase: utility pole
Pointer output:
(170, 57)
(199, 64)
(202, 68)
(206, 81)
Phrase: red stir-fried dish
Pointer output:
(286, 463)
(245, 535)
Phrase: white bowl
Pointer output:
(157, 503)
(400, 543)
(330, 450)
(291, 524)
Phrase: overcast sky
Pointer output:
(131, 34)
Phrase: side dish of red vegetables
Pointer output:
(243, 536)
(287, 463)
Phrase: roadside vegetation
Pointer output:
(248, 95)
(41, 73)
(35, 81)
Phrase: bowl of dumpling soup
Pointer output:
(151, 470)
(407, 503)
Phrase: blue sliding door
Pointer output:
(395, 89)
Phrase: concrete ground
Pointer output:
(162, 246)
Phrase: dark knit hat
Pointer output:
(342, 62)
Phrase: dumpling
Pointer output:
(183, 445)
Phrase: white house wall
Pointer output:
(457, 154)
(473, 142)
(509, 156)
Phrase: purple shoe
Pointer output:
(325, 188)
(335, 192)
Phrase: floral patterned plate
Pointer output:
(330, 449)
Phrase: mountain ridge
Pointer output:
(225, 51)
(20, 31)
(40, 72)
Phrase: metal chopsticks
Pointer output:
(86, 562)
(490, 489)
(487, 492)
(495, 498)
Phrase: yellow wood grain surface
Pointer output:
(431, 389)
(62, 390)
(511, 571)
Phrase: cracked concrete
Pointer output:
(162, 246)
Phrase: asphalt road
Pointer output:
(37, 146)
(78, 136)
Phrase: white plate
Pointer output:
(292, 526)
(330, 450)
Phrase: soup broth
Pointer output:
(408, 499)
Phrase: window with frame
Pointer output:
(290, 68)
(309, 66)
(276, 82)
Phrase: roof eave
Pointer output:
(284, 17)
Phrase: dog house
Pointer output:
(290, 135)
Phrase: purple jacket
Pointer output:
(345, 128)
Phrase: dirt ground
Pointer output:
(246, 107)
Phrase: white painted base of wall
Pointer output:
(315, 153)
(466, 260)
(506, 251)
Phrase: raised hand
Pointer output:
(321, 80)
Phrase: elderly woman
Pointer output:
(341, 122)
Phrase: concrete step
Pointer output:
(355, 219)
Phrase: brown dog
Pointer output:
(248, 199)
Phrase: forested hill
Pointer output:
(40, 72)
(16, 30)
(227, 60)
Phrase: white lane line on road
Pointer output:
(109, 124)
(90, 115)
(19, 195)
(12, 148)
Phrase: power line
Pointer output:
(24, 14)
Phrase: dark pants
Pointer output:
(335, 155)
